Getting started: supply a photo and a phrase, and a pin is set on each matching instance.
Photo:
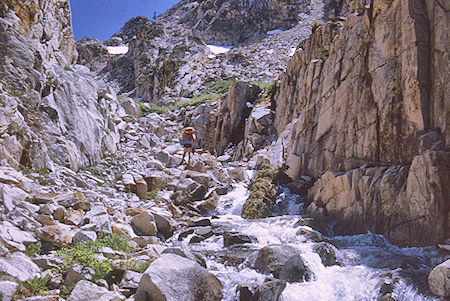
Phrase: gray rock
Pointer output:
(295, 270)
(165, 279)
(439, 279)
(270, 290)
(19, 266)
(85, 288)
(14, 237)
(234, 238)
(130, 279)
(327, 253)
(7, 289)
(272, 258)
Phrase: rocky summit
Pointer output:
(320, 168)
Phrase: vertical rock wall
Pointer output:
(370, 90)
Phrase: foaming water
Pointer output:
(365, 259)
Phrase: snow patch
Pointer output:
(219, 49)
(274, 31)
(117, 49)
(292, 51)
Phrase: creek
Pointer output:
(365, 259)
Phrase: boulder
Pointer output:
(130, 106)
(86, 288)
(270, 290)
(439, 280)
(172, 278)
(295, 270)
(144, 223)
(272, 258)
(14, 237)
(327, 253)
(59, 235)
(19, 266)
(7, 289)
(234, 238)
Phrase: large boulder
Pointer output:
(172, 278)
(88, 290)
(439, 280)
(284, 262)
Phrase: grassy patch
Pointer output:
(220, 87)
(32, 287)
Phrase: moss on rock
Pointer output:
(262, 194)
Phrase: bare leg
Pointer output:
(184, 153)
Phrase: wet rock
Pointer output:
(200, 222)
(270, 290)
(327, 253)
(295, 270)
(271, 259)
(144, 223)
(439, 279)
(165, 279)
(19, 266)
(234, 238)
(86, 288)
(310, 233)
(210, 203)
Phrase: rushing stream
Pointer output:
(365, 259)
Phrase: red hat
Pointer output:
(189, 130)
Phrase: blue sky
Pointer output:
(103, 18)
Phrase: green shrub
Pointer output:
(33, 249)
(84, 254)
(268, 93)
(152, 194)
(141, 266)
(31, 287)
(314, 26)
(154, 108)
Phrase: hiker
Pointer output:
(187, 140)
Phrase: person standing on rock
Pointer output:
(187, 140)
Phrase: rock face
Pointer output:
(226, 123)
(165, 279)
(350, 67)
(368, 90)
(42, 98)
(234, 22)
